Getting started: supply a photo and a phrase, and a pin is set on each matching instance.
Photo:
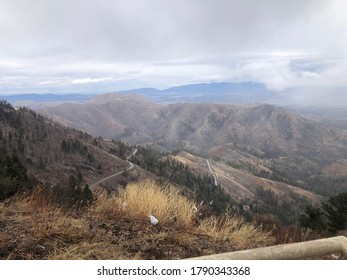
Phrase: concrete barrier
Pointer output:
(293, 251)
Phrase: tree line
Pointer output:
(330, 216)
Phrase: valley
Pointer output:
(262, 140)
(257, 162)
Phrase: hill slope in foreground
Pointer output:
(32, 227)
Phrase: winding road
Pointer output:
(130, 166)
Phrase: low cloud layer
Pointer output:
(297, 48)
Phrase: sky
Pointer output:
(297, 48)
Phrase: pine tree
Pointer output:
(313, 219)
(336, 211)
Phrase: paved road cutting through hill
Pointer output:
(213, 173)
(130, 166)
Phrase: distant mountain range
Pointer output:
(222, 92)
(209, 92)
(205, 92)
(35, 101)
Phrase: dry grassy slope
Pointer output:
(246, 158)
(118, 227)
(240, 184)
(202, 126)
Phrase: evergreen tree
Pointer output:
(13, 177)
(336, 211)
(313, 219)
(332, 215)
(87, 196)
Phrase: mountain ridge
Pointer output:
(296, 150)
(218, 92)
(203, 125)
(243, 92)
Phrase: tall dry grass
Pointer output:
(117, 226)
(148, 198)
(102, 250)
(35, 226)
(44, 219)
(235, 230)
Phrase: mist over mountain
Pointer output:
(325, 114)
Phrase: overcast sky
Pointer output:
(60, 46)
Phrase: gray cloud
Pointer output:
(49, 45)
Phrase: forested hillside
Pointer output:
(34, 148)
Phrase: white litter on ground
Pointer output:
(153, 220)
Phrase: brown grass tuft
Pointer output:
(236, 230)
(147, 198)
